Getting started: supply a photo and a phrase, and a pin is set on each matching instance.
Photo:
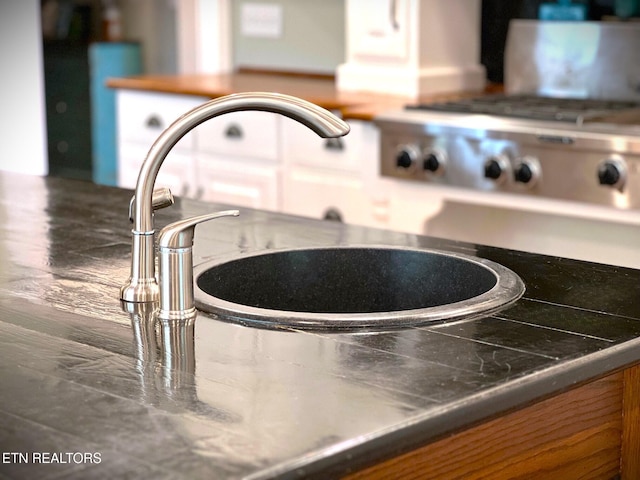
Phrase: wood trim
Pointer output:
(630, 451)
(579, 431)
(286, 73)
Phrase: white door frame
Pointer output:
(204, 36)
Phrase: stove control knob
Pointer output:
(527, 171)
(407, 156)
(612, 172)
(495, 168)
(434, 162)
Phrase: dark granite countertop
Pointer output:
(78, 374)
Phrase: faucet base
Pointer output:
(177, 315)
(140, 292)
(142, 285)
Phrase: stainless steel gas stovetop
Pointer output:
(532, 107)
(572, 149)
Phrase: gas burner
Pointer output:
(567, 110)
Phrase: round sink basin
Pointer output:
(352, 287)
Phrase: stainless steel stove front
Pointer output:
(597, 165)
(546, 187)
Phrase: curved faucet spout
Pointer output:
(321, 121)
(142, 285)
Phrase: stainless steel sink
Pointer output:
(353, 287)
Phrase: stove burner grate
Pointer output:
(568, 110)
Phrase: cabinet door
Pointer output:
(411, 205)
(301, 146)
(381, 31)
(143, 116)
(177, 171)
(331, 197)
(68, 109)
(241, 134)
(322, 182)
(240, 183)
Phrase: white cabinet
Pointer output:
(323, 195)
(412, 47)
(411, 205)
(177, 172)
(238, 160)
(233, 158)
(381, 32)
(249, 134)
(335, 178)
(255, 159)
(242, 182)
(302, 147)
(141, 118)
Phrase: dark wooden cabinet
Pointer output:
(68, 108)
(589, 432)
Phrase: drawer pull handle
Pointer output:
(233, 131)
(335, 144)
(333, 215)
(393, 15)
(154, 122)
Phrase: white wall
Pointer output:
(23, 138)
(209, 38)
(312, 38)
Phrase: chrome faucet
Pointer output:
(142, 285)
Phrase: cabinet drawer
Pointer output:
(143, 116)
(177, 171)
(381, 32)
(303, 147)
(240, 134)
(239, 182)
(315, 195)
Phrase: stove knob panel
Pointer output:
(495, 168)
(434, 162)
(527, 171)
(612, 172)
(407, 156)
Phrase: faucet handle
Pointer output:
(180, 234)
(175, 266)
(161, 198)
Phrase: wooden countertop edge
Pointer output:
(181, 87)
(320, 90)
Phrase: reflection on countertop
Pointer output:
(227, 401)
